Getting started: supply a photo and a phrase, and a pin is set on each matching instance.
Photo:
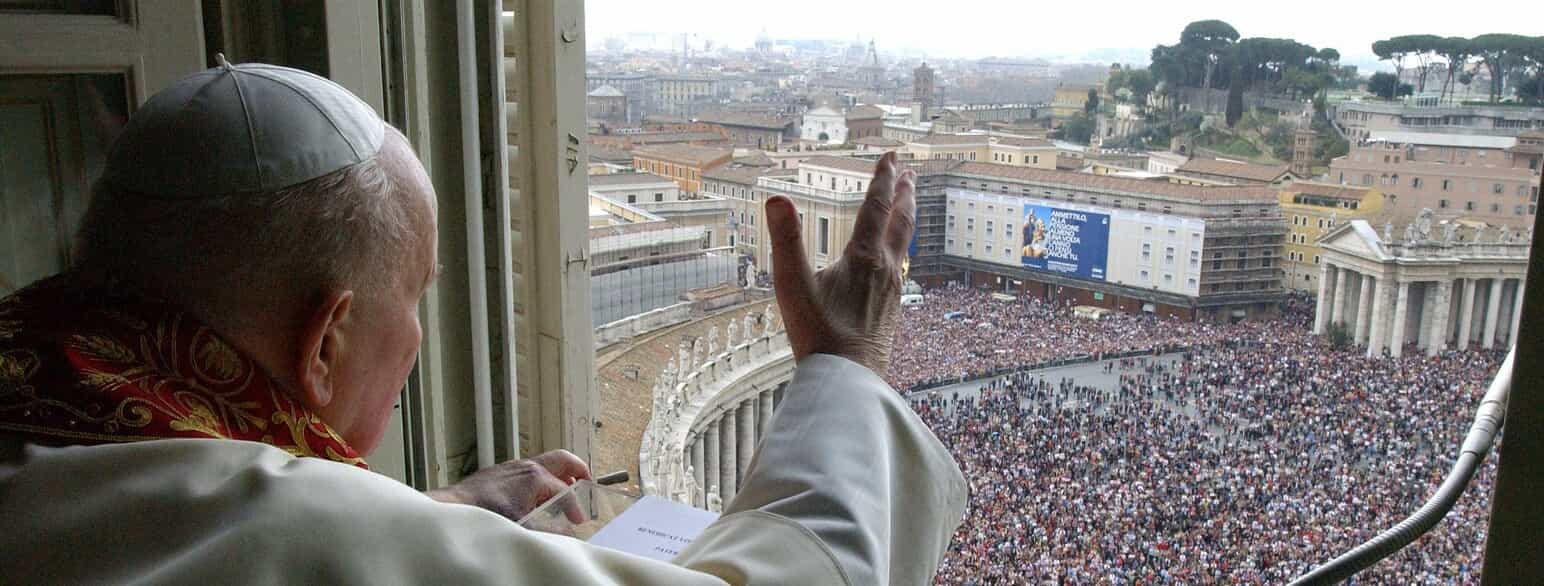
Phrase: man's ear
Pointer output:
(321, 343)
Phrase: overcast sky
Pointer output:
(1057, 30)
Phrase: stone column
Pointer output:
(1342, 280)
(1466, 315)
(728, 465)
(1517, 314)
(1492, 313)
(711, 473)
(1321, 312)
(764, 420)
(699, 473)
(747, 444)
(1436, 341)
(1378, 333)
(1401, 308)
(1423, 320)
(1363, 311)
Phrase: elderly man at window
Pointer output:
(193, 401)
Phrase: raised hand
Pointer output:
(848, 308)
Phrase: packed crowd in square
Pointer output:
(1254, 454)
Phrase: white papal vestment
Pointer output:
(848, 487)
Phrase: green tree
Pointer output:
(1532, 56)
(1091, 105)
(1329, 57)
(1210, 38)
(1235, 100)
(1388, 87)
(1495, 51)
(1423, 48)
(1137, 81)
(1079, 128)
(1298, 83)
(1265, 61)
(1347, 77)
(1174, 66)
(1392, 50)
(1456, 51)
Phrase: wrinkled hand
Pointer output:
(514, 488)
(848, 308)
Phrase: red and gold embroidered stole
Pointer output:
(82, 365)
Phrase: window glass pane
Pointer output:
(54, 133)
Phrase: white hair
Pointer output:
(350, 229)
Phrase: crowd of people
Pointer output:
(961, 333)
(1254, 454)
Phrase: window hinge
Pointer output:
(582, 258)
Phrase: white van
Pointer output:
(911, 299)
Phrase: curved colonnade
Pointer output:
(710, 408)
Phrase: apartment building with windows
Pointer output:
(752, 130)
(1312, 210)
(1358, 120)
(736, 184)
(1194, 252)
(1480, 178)
(682, 163)
(1006, 150)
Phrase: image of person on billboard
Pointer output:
(1034, 235)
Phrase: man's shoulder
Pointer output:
(191, 507)
(199, 511)
(200, 469)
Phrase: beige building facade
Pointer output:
(1013, 151)
(682, 163)
(1313, 210)
(1360, 119)
(1475, 178)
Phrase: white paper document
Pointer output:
(654, 528)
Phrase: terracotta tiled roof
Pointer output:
(840, 163)
(628, 179)
(865, 112)
(683, 153)
(1108, 183)
(1067, 163)
(744, 119)
(1254, 193)
(878, 141)
(652, 138)
(1028, 143)
(744, 175)
(608, 154)
(756, 159)
(1236, 170)
(1348, 192)
(951, 139)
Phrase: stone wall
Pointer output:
(626, 328)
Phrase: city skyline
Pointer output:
(1125, 33)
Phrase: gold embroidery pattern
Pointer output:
(163, 377)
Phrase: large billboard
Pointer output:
(1069, 242)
